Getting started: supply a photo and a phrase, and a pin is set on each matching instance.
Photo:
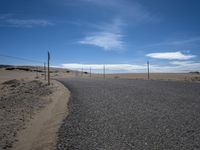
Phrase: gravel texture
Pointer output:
(121, 114)
(19, 100)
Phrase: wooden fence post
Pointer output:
(104, 71)
(90, 72)
(148, 69)
(48, 68)
(45, 73)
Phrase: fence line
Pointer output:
(20, 58)
(35, 68)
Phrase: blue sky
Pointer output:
(123, 34)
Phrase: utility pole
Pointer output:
(148, 70)
(104, 71)
(48, 68)
(45, 73)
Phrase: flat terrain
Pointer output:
(157, 76)
(6, 75)
(122, 114)
(30, 72)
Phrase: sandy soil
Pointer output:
(155, 76)
(64, 73)
(16, 74)
(30, 111)
(40, 132)
(19, 101)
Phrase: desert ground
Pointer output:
(30, 110)
(122, 111)
(154, 76)
(34, 72)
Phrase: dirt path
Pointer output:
(40, 132)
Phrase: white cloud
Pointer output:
(178, 66)
(178, 42)
(190, 65)
(109, 36)
(105, 40)
(10, 20)
(182, 63)
(171, 55)
(28, 23)
(173, 67)
(125, 67)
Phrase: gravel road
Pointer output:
(122, 114)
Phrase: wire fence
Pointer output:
(18, 67)
(148, 71)
(32, 68)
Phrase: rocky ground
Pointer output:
(19, 101)
(121, 114)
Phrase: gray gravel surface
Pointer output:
(121, 114)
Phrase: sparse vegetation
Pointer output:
(195, 78)
(195, 72)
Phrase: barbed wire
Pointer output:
(20, 58)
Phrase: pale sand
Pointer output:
(153, 76)
(15, 74)
(40, 132)
(61, 73)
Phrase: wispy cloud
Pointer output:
(127, 10)
(179, 42)
(11, 21)
(106, 40)
(174, 69)
(115, 26)
(182, 63)
(178, 66)
(190, 65)
(4, 16)
(171, 55)
(28, 23)
(109, 36)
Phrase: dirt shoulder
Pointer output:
(31, 113)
